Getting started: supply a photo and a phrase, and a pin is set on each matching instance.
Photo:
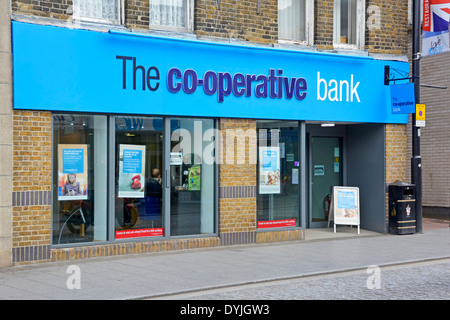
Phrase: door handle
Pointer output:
(167, 179)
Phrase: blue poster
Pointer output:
(73, 161)
(346, 200)
(270, 160)
(132, 161)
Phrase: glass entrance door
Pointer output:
(191, 175)
(326, 172)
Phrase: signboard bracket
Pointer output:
(387, 75)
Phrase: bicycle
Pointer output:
(77, 220)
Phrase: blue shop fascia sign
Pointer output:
(71, 70)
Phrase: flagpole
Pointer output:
(416, 160)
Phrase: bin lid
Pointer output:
(402, 184)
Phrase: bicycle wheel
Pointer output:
(73, 210)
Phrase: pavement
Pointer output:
(159, 275)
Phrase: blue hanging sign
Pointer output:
(403, 98)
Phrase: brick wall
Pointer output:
(60, 9)
(240, 20)
(396, 156)
(392, 35)
(137, 14)
(237, 20)
(31, 196)
(237, 179)
(323, 24)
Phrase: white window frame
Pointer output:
(190, 20)
(360, 26)
(120, 8)
(309, 27)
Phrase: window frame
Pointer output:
(302, 211)
(110, 232)
(190, 21)
(55, 176)
(309, 27)
(360, 26)
(119, 21)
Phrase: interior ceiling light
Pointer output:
(327, 124)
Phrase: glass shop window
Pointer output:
(80, 178)
(278, 182)
(139, 174)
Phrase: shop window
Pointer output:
(278, 182)
(296, 21)
(171, 14)
(106, 11)
(349, 24)
(139, 167)
(80, 174)
(127, 177)
(192, 172)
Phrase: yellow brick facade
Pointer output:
(32, 166)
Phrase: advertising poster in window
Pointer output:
(269, 170)
(136, 233)
(131, 171)
(194, 178)
(72, 172)
(277, 223)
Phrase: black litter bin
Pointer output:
(402, 208)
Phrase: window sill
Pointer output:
(295, 45)
(69, 23)
(345, 46)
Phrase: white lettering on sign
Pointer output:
(335, 90)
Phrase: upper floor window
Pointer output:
(171, 14)
(105, 11)
(349, 24)
(296, 21)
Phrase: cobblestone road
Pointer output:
(421, 281)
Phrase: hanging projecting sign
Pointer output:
(132, 73)
(402, 98)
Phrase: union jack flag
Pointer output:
(436, 17)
